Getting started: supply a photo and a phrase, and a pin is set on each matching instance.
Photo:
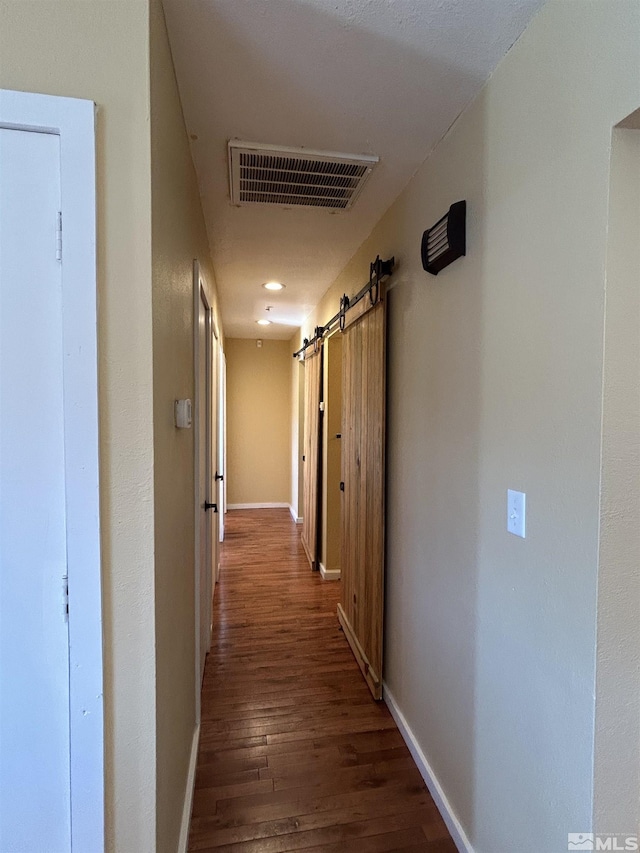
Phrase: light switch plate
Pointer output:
(182, 414)
(516, 512)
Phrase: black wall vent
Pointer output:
(446, 241)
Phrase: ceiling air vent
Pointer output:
(268, 174)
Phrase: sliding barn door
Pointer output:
(363, 444)
(311, 501)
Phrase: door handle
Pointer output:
(219, 477)
(207, 506)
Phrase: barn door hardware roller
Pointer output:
(344, 305)
(378, 270)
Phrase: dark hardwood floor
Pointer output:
(294, 753)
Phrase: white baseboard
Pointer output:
(188, 793)
(296, 518)
(330, 574)
(259, 506)
(444, 806)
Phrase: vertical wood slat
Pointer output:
(361, 610)
(311, 491)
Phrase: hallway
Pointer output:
(294, 754)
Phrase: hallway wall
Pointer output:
(178, 236)
(297, 437)
(616, 765)
(495, 382)
(259, 391)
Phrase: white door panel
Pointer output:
(214, 489)
(206, 367)
(222, 425)
(34, 646)
(204, 474)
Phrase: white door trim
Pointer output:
(73, 120)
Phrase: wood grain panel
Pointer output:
(361, 609)
(312, 454)
(294, 753)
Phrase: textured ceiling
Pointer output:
(384, 77)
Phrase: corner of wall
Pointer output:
(617, 711)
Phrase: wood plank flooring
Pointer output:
(294, 753)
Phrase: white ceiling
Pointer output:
(384, 77)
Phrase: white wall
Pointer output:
(495, 382)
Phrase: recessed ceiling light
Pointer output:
(263, 322)
(273, 285)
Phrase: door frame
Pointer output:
(199, 297)
(313, 425)
(329, 531)
(222, 442)
(214, 438)
(73, 120)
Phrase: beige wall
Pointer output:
(259, 391)
(617, 743)
(297, 434)
(99, 51)
(495, 382)
(178, 236)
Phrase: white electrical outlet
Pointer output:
(516, 512)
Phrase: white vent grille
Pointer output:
(288, 177)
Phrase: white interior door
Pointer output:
(222, 438)
(34, 641)
(203, 580)
(214, 483)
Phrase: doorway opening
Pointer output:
(206, 474)
(330, 556)
(616, 766)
